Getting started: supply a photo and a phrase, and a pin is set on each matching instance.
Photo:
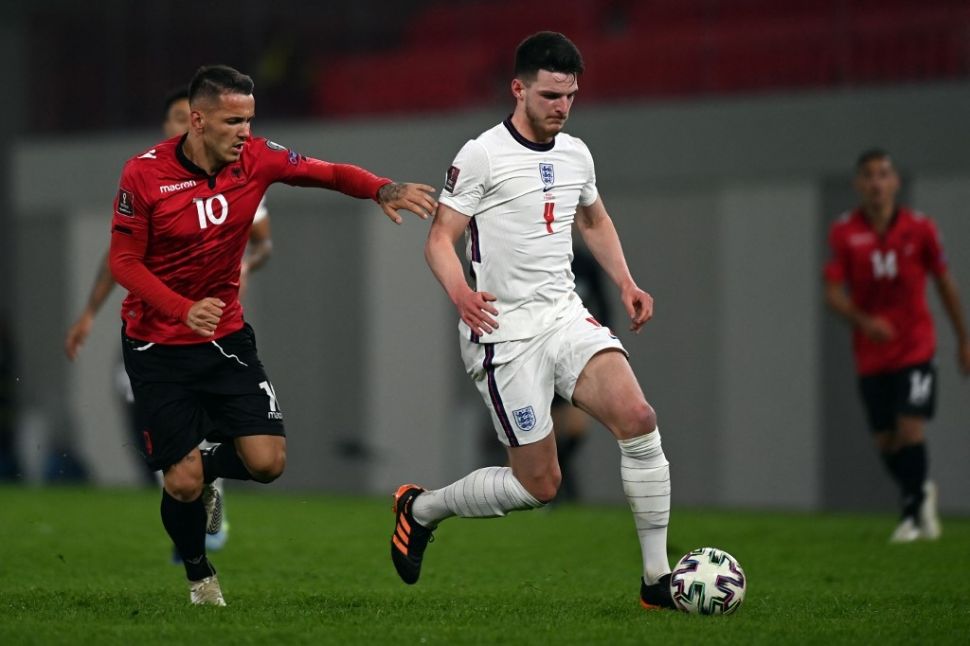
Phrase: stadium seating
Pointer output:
(388, 57)
(459, 54)
(406, 80)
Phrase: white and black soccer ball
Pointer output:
(708, 581)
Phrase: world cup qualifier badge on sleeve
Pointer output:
(451, 178)
(126, 203)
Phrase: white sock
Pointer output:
(646, 482)
(486, 493)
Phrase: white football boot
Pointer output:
(215, 541)
(206, 592)
(212, 501)
(905, 532)
(929, 519)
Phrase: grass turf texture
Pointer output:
(91, 566)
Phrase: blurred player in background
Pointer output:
(181, 222)
(175, 123)
(875, 279)
(525, 334)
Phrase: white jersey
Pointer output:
(522, 199)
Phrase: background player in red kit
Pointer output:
(883, 252)
(181, 222)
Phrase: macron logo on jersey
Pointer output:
(149, 155)
(180, 186)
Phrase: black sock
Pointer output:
(185, 524)
(890, 459)
(222, 461)
(911, 463)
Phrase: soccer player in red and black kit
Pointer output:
(882, 253)
(181, 222)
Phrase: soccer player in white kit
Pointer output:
(515, 192)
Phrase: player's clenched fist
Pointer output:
(204, 315)
(639, 305)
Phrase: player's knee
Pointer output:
(640, 419)
(544, 488)
(268, 466)
(183, 485)
(909, 434)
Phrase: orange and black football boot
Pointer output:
(410, 538)
(657, 596)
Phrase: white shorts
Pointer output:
(517, 379)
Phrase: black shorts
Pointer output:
(184, 392)
(910, 391)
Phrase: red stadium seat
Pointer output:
(459, 54)
(406, 81)
(908, 43)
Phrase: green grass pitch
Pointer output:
(84, 566)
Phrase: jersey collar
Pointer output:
(531, 145)
(889, 227)
(190, 165)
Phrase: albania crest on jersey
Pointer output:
(525, 418)
(547, 175)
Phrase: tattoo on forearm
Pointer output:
(390, 192)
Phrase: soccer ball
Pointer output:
(708, 581)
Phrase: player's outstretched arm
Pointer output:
(596, 227)
(950, 296)
(78, 333)
(416, 198)
(474, 308)
(358, 182)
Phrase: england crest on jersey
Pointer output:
(547, 175)
(525, 418)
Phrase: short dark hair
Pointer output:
(872, 153)
(547, 50)
(212, 81)
(179, 94)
